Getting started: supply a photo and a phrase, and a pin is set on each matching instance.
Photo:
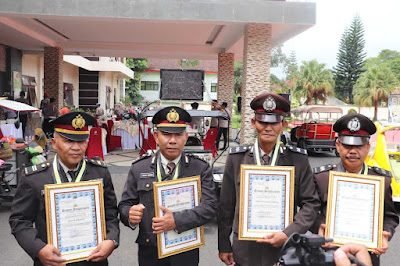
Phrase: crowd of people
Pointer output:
(136, 208)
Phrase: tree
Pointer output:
(387, 58)
(350, 58)
(373, 87)
(291, 67)
(188, 63)
(138, 65)
(314, 82)
(237, 77)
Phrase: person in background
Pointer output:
(196, 121)
(214, 120)
(10, 114)
(44, 106)
(223, 126)
(23, 116)
(99, 110)
(353, 145)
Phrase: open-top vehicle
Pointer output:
(201, 141)
(314, 129)
(387, 154)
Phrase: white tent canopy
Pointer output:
(17, 106)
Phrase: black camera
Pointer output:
(305, 250)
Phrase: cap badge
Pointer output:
(78, 122)
(172, 116)
(269, 104)
(354, 124)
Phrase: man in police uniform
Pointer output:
(269, 122)
(169, 163)
(28, 217)
(353, 146)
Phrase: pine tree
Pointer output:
(350, 58)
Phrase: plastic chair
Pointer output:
(112, 141)
(209, 141)
(94, 145)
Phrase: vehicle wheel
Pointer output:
(301, 143)
(336, 153)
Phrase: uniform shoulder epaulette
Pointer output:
(97, 162)
(239, 149)
(382, 171)
(144, 156)
(36, 168)
(196, 157)
(323, 168)
(296, 149)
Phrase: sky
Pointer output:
(381, 20)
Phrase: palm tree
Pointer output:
(373, 87)
(314, 82)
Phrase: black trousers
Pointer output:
(24, 119)
(222, 131)
(148, 256)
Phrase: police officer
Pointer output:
(28, 216)
(269, 111)
(169, 163)
(353, 146)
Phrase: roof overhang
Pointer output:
(148, 29)
(117, 67)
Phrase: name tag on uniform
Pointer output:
(147, 175)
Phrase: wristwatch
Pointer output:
(116, 244)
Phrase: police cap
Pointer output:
(354, 129)
(73, 125)
(270, 107)
(172, 119)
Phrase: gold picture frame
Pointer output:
(368, 195)
(260, 182)
(72, 209)
(187, 193)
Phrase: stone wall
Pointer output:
(53, 74)
(256, 71)
(225, 79)
(2, 58)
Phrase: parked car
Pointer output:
(388, 156)
(314, 129)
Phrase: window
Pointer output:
(214, 87)
(68, 94)
(149, 86)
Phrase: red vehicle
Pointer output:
(314, 129)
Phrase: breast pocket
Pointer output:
(145, 190)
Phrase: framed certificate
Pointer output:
(75, 218)
(178, 195)
(266, 200)
(355, 209)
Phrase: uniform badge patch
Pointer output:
(147, 175)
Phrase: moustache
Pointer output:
(353, 157)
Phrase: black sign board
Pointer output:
(177, 84)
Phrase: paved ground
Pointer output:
(119, 162)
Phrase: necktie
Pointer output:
(72, 175)
(170, 167)
(266, 159)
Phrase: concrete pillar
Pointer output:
(226, 80)
(53, 74)
(256, 72)
(3, 61)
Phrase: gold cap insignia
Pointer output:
(78, 122)
(173, 116)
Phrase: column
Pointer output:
(53, 74)
(225, 81)
(256, 73)
(3, 58)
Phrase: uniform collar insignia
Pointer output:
(354, 124)
(269, 104)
